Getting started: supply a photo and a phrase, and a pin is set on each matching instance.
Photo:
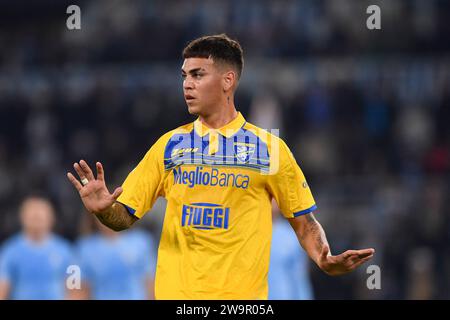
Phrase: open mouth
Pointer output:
(189, 97)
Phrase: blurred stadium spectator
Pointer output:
(289, 264)
(116, 266)
(33, 263)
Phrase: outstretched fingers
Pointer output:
(100, 172)
(79, 171)
(74, 181)
(361, 261)
(87, 170)
(350, 254)
(365, 252)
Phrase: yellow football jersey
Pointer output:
(216, 236)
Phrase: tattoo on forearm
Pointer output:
(116, 218)
(314, 229)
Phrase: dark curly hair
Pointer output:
(220, 48)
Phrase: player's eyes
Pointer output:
(195, 76)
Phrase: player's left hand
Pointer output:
(345, 262)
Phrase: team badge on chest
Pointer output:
(243, 151)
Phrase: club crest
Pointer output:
(244, 151)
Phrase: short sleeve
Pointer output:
(144, 184)
(289, 187)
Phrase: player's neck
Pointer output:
(36, 238)
(219, 119)
(110, 235)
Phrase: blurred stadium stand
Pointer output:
(366, 113)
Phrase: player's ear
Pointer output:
(229, 79)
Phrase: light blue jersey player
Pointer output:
(117, 266)
(33, 264)
(288, 271)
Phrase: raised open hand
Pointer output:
(93, 192)
(345, 262)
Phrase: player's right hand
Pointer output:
(95, 195)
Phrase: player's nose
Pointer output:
(188, 84)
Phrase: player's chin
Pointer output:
(193, 109)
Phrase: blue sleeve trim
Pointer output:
(299, 213)
(130, 210)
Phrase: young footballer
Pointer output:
(219, 175)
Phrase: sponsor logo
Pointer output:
(210, 177)
(205, 216)
(181, 151)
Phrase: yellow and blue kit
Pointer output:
(219, 183)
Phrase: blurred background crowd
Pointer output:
(365, 112)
